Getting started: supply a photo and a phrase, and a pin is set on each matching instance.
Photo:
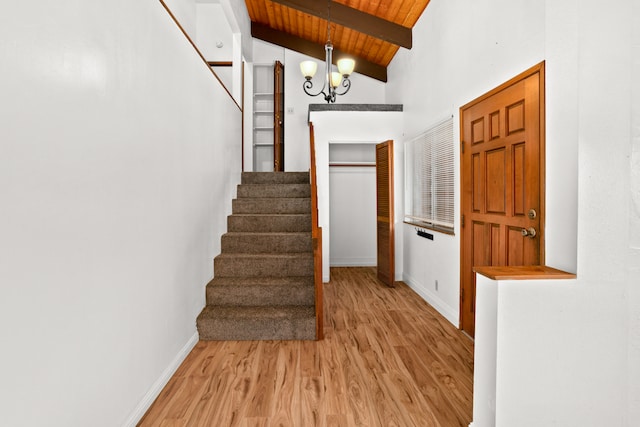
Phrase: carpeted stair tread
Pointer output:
(273, 190)
(271, 205)
(274, 242)
(269, 222)
(275, 178)
(274, 265)
(256, 291)
(286, 255)
(257, 323)
(262, 281)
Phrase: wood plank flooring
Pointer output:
(388, 359)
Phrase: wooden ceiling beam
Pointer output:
(280, 38)
(356, 20)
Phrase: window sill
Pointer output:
(439, 229)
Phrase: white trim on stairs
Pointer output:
(162, 381)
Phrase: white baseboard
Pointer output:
(434, 300)
(353, 262)
(157, 387)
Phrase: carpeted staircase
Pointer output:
(263, 286)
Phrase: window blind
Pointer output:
(429, 175)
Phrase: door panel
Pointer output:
(495, 185)
(384, 207)
(501, 182)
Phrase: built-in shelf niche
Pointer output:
(263, 110)
(353, 154)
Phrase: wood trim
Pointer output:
(356, 20)
(280, 38)
(530, 272)
(220, 63)
(316, 235)
(543, 163)
(197, 51)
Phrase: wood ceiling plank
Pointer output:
(414, 11)
(356, 20)
(315, 50)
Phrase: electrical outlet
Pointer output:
(436, 285)
(290, 110)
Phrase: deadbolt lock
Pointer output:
(532, 214)
(529, 232)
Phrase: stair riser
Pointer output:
(272, 206)
(265, 267)
(275, 178)
(274, 191)
(266, 243)
(255, 295)
(257, 329)
(268, 223)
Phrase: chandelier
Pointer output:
(332, 79)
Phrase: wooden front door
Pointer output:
(278, 117)
(384, 203)
(502, 216)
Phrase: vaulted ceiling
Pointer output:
(369, 31)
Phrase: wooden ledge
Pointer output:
(530, 272)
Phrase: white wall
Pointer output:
(591, 54)
(352, 214)
(557, 356)
(185, 12)
(120, 155)
(221, 29)
(208, 22)
(633, 291)
(214, 36)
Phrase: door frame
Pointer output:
(540, 69)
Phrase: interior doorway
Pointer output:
(352, 203)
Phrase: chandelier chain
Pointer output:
(329, 21)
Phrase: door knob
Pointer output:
(529, 232)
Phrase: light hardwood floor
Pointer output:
(388, 359)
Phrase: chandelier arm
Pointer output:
(308, 85)
(346, 84)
